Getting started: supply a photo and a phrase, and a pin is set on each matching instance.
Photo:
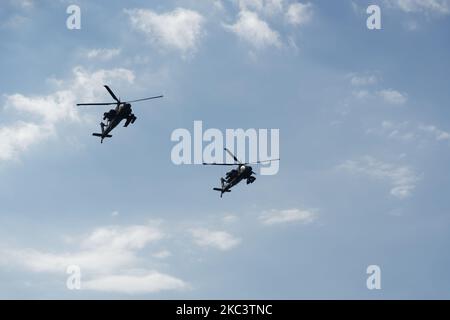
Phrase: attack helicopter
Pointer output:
(113, 117)
(234, 176)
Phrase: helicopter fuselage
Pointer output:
(233, 177)
(121, 112)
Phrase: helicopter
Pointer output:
(122, 111)
(234, 176)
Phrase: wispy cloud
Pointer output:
(221, 240)
(15, 21)
(163, 254)
(103, 54)
(393, 97)
(397, 131)
(406, 131)
(438, 134)
(402, 178)
(180, 29)
(18, 137)
(230, 218)
(105, 249)
(288, 216)
(255, 31)
(422, 6)
(363, 79)
(148, 282)
(107, 258)
(365, 87)
(24, 4)
(299, 13)
(268, 7)
(256, 18)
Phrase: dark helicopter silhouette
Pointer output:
(234, 176)
(122, 111)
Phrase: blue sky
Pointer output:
(364, 147)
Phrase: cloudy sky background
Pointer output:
(365, 146)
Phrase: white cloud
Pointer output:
(251, 4)
(163, 254)
(149, 282)
(398, 131)
(361, 94)
(299, 13)
(180, 29)
(358, 8)
(287, 216)
(129, 238)
(407, 132)
(402, 178)
(24, 4)
(424, 6)
(103, 54)
(89, 85)
(363, 80)
(105, 249)
(362, 89)
(392, 96)
(58, 106)
(436, 132)
(216, 239)
(268, 7)
(274, 5)
(250, 28)
(15, 21)
(19, 136)
(90, 261)
(218, 5)
(230, 218)
(108, 258)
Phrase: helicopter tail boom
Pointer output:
(222, 191)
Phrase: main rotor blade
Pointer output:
(232, 155)
(220, 164)
(156, 97)
(112, 94)
(262, 161)
(96, 104)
